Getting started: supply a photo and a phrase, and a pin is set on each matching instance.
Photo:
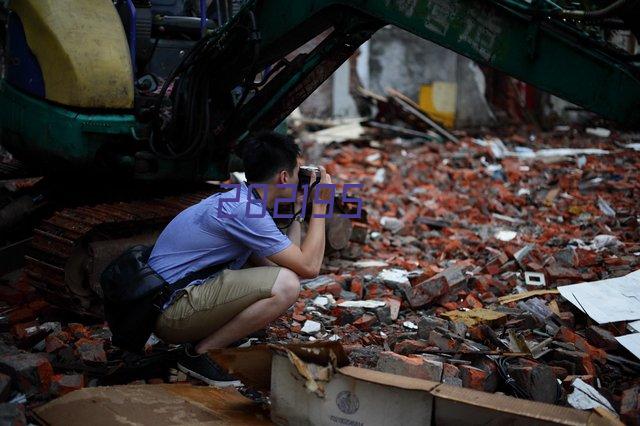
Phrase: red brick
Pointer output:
(53, 343)
(410, 366)
(376, 291)
(334, 288)
(472, 301)
(359, 232)
(31, 373)
(472, 377)
(586, 258)
(346, 316)
(567, 335)
(62, 384)
(407, 347)
(78, 331)
(91, 351)
(601, 338)
(427, 291)
(365, 322)
(451, 375)
(357, 287)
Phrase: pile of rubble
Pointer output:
(453, 275)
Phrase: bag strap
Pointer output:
(168, 289)
(197, 275)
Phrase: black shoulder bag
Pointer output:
(134, 295)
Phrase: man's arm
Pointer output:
(306, 259)
(293, 233)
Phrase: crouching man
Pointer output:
(217, 311)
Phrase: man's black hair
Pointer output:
(266, 153)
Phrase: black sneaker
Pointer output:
(204, 368)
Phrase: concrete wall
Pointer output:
(395, 58)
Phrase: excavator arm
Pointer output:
(509, 36)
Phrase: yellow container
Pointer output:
(438, 99)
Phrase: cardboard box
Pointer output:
(313, 385)
(353, 397)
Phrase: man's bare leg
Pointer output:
(283, 294)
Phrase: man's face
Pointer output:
(291, 179)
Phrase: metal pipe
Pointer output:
(219, 16)
(592, 14)
(203, 16)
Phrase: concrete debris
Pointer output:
(311, 327)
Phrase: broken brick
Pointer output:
(473, 302)
(538, 381)
(30, 372)
(428, 324)
(377, 291)
(357, 287)
(345, 315)
(359, 233)
(473, 378)
(442, 341)
(383, 313)
(410, 366)
(601, 338)
(62, 384)
(567, 335)
(365, 322)
(91, 351)
(407, 347)
(78, 331)
(451, 375)
(427, 291)
(580, 361)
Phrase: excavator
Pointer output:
(129, 105)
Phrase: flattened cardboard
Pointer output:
(252, 365)
(461, 406)
(158, 405)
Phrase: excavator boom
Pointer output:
(511, 36)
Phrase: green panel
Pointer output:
(547, 54)
(60, 140)
(51, 132)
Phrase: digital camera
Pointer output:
(306, 175)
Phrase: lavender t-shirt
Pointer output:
(201, 236)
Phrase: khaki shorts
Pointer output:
(200, 310)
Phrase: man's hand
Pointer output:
(306, 260)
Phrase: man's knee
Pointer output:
(287, 286)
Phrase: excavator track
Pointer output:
(70, 249)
